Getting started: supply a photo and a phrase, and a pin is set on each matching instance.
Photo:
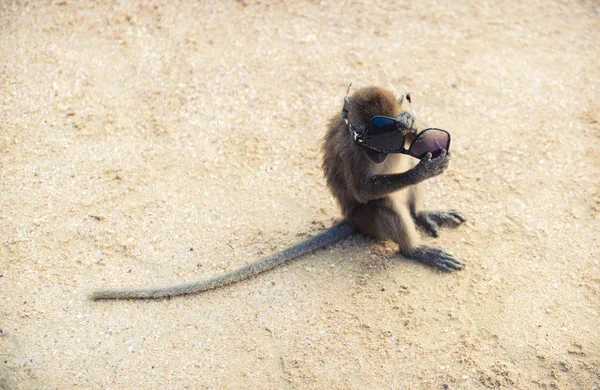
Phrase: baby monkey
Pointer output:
(378, 190)
(379, 193)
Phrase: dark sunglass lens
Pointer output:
(381, 124)
(430, 141)
(383, 135)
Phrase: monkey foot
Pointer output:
(430, 221)
(436, 257)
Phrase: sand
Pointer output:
(170, 141)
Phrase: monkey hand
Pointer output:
(430, 221)
(428, 168)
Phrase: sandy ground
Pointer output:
(150, 144)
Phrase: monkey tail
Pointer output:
(330, 236)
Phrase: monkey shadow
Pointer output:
(364, 254)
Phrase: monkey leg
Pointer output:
(381, 220)
(430, 221)
(435, 257)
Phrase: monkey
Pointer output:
(379, 195)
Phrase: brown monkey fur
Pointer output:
(378, 195)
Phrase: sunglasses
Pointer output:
(383, 135)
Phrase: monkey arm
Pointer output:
(378, 186)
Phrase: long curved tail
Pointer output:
(330, 236)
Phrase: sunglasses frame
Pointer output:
(359, 138)
(420, 134)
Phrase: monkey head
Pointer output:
(368, 106)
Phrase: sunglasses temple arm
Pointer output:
(419, 124)
(412, 111)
